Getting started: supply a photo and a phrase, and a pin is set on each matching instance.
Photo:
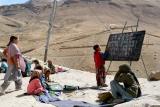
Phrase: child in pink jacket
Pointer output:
(34, 86)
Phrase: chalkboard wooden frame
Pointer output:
(125, 46)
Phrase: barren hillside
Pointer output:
(78, 26)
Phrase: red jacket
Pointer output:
(98, 59)
(35, 87)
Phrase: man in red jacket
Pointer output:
(99, 65)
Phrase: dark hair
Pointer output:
(33, 78)
(124, 68)
(4, 60)
(95, 47)
(47, 71)
(49, 61)
(12, 38)
(36, 61)
(39, 67)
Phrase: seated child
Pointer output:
(47, 73)
(44, 76)
(36, 63)
(60, 69)
(34, 86)
(51, 67)
(130, 88)
(4, 66)
(40, 68)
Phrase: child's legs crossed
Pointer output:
(116, 89)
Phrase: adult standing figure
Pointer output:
(99, 59)
(15, 65)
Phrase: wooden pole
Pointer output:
(145, 67)
(136, 31)
(51, 20)
(137, 24)
(124, 27)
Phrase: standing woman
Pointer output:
(15, 65)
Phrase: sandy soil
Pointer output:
(78, 26)
(150, 91)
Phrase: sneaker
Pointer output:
(98, 87)
(2, 92)
(104, 85)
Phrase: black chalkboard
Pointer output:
(126, 46)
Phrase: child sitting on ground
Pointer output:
(34, 86)
(47, 73)
(4, 66)
(51, 67)
(36, 63)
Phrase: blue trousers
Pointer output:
(118, 91)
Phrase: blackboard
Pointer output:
(126, 46)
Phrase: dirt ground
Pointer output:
(78, 26)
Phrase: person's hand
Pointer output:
(18, 66)
(41, 93)
(106, 48)
(18, 69)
